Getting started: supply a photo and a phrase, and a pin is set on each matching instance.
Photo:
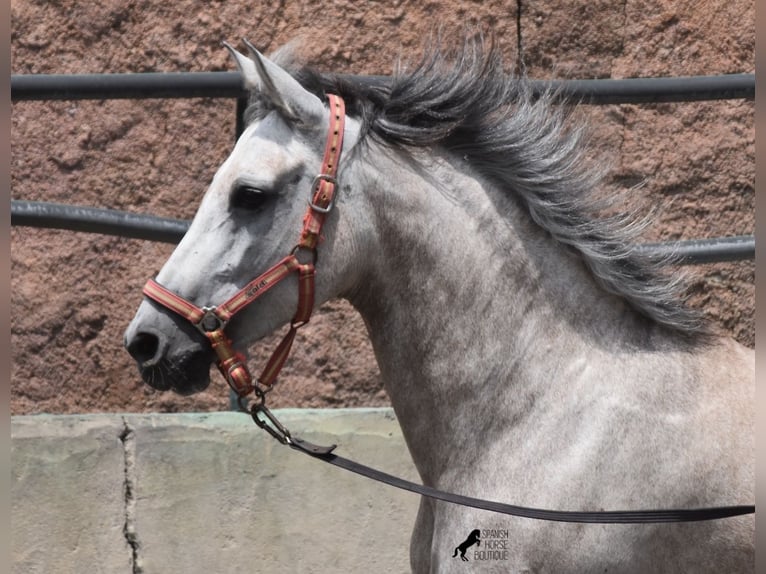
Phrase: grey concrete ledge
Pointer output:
(207, 492)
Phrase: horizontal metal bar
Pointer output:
(138, 226)
(699, 251)
(126, 86)
(229, 85)
(657, 90)
(97, 220)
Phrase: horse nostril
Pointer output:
(144, 348)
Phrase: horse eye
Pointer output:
(250, 198)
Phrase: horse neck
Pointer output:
(472, 310)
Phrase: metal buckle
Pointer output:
(210, 321)
(314, 187)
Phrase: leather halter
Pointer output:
(211, 321)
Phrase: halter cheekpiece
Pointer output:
(211, 321)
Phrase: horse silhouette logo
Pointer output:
(473, 538)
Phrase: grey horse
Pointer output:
(531, 354)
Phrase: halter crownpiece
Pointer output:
(211, 321)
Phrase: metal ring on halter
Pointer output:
(314, 185)
(313, 251)
(210, 321)
(260, 390)
(260, 395)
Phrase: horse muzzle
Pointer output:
(180, 363)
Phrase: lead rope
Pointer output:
(324, 453)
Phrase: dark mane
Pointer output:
(466, 103)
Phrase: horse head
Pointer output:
(250, 217)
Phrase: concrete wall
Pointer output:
(208, 493)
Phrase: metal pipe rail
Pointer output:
(168, 230)
(229, 85)
(97, 220)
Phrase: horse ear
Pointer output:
(278, 87)
(246, 68)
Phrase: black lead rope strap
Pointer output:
(325, 454)
(604, 517)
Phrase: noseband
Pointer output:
(211, 321)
